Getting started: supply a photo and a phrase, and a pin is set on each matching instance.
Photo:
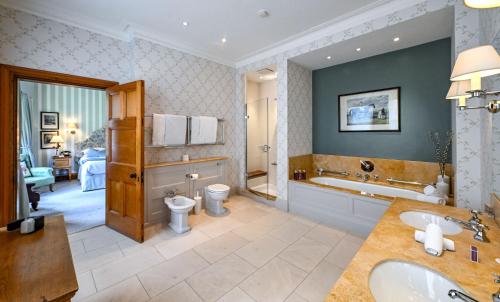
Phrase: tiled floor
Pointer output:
(257, 253)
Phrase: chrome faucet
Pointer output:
(474, 224)
(321, 171)
(367, 165)
(455, 294)
(170, 193)
(363, 177)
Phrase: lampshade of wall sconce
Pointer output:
(482, 3)
(71, 126)
(458, 89)
(476, 63)
(57, 139)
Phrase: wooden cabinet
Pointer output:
(158, 180)
(62, 163)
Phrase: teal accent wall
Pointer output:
(423, 74)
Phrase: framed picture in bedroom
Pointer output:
(370, 111)
(45, 137)
(49, 120)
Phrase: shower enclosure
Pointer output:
(261, 118)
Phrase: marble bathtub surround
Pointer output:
(424, 172)
(392, 239)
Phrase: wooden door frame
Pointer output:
(9, 77)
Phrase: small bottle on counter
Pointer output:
(304, 174)
(295, 175)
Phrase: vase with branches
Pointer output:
(442, 145)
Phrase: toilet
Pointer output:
(179, 209)
(214, 199)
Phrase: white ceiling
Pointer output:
(161, 20)
(430, 27)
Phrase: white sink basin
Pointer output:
(420, 220)
(396, 281)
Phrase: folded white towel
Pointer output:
(430, 190)
(448, 244)
(175, 129)
(432, 199)
(433, 243)
(158, 129)
(203, 130)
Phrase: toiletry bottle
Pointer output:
(295, 175)
(305, 174)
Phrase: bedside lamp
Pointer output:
(57, 139)
(472, 65)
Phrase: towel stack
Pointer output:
(433, 240)
(203, 130)
(169, 129)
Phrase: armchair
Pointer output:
(41, 176)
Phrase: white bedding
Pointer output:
(92, 174)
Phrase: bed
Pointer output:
(92, 162)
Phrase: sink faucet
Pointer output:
(474, 224)
(455, 294)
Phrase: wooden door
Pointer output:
(125, 160)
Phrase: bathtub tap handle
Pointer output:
(376, 177)
(367, 165)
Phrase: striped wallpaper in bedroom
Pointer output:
(83, 106)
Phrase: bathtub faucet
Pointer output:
(321, 171)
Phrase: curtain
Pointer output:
(26, 129)
(23, 202)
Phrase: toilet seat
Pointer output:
(218, 188)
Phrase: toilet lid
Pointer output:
(218, 188)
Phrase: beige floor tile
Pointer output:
(165, 275)
(77, 247)
(179, 293)
(290, 231)
(343, 253)
(252, 231)
(273, 282)
(181, 243)
(275, 218)
(129, 290)
(236, 295)
(86, 286)
(130, 246)
(103, 239)
(219, 247)
(260, 251)
(216, 280)
(319, 283)
(125, 267)
(325, 235)
(248, 214)
(97, 258)
(93, 232)
(219, 226)
(295, 298)
(305, 221)
(200, 219)
(305, 253)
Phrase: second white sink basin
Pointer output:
(396, 281)
(420, 220)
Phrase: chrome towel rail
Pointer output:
(399, 181)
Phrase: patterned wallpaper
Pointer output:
(299, 110)
(85, 107)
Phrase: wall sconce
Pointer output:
(472, 65)
(71, 127)
(482, 3)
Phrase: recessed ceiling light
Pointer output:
(358, 49)
(185, 23)
(329, 57)
(224, 40)
(396, 39)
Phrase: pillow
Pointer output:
(93, 152)
(25, 169)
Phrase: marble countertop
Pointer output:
(392, 239)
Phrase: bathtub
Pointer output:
(366, 188)
(353, 212)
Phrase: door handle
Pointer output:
(274, 164)
(132, 175)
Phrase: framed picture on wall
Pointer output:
(376, 110)
(45, 137)
(49, 120)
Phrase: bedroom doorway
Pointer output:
(62, 152)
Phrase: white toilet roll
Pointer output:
(433, 243)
